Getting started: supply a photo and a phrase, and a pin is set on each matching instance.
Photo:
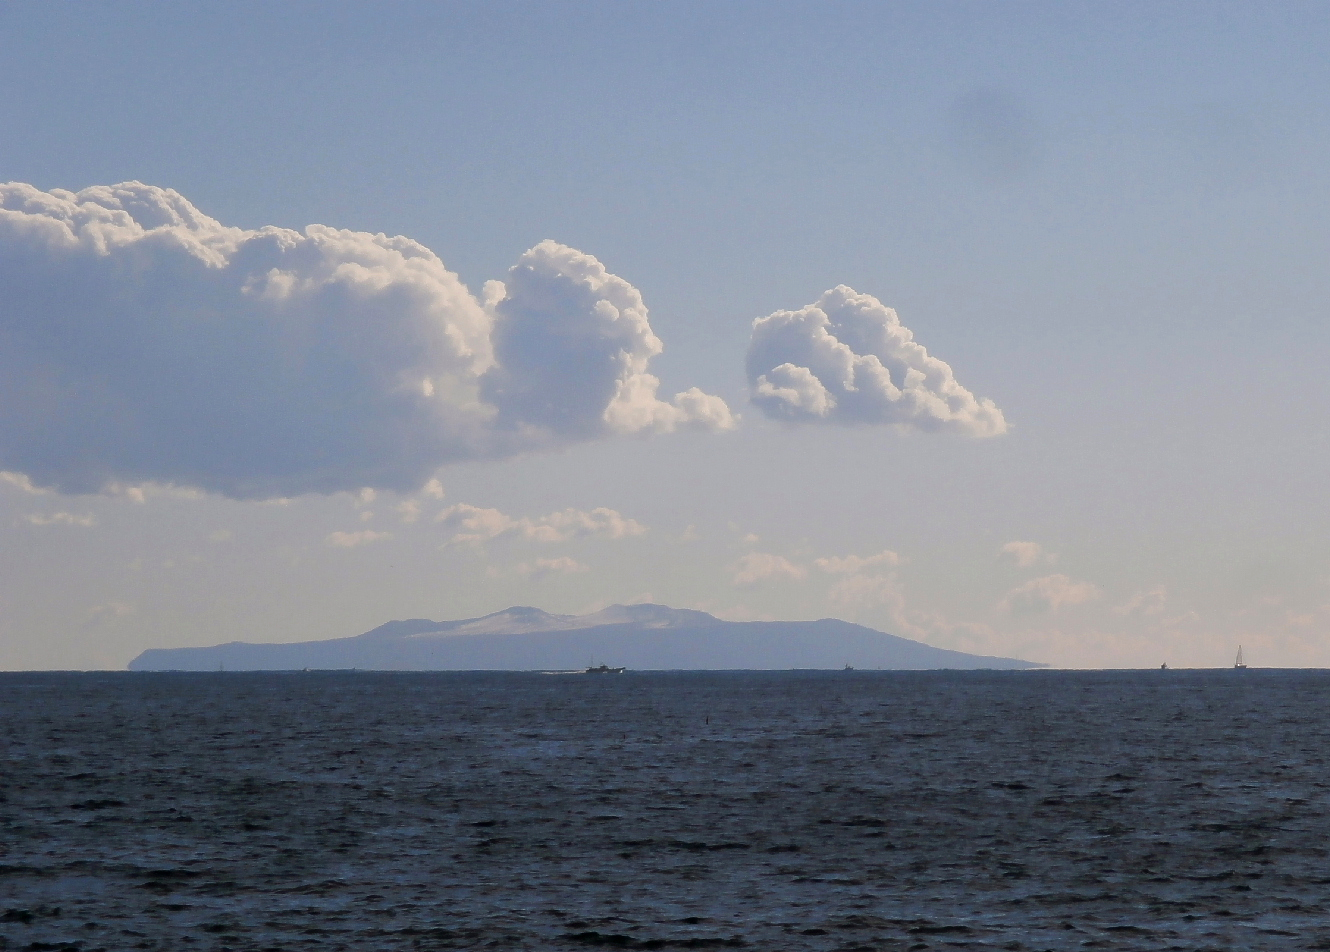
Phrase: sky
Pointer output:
(997, 326)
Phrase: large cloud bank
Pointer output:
(142, 341)
(848, 359)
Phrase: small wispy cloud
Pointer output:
(472, 524)
(755, 567)
(545, 568)
(1145, 604)
(21, 482)
(349, 540)
(1025, 554)
(140, 493)
(854, 564)
(61, 519)
(1048, 594)
(858, 591)
(864, 581)
(108, 611)
(410, 508)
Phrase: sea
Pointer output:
(1016, 810)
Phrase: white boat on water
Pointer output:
(1240, 664)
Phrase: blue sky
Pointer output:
(1107, 219)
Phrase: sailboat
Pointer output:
(1240, 664)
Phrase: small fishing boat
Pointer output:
(1240, 664)
(603, 669)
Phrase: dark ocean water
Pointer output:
(855, 810)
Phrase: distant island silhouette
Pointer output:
(638, 637)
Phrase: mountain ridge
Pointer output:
(640, 637)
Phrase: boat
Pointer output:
(603, 669)
(1239, 664)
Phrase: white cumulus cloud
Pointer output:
(562, 317)
(848, 359)
(1047, 594)
(476, 525)
(142, 341)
